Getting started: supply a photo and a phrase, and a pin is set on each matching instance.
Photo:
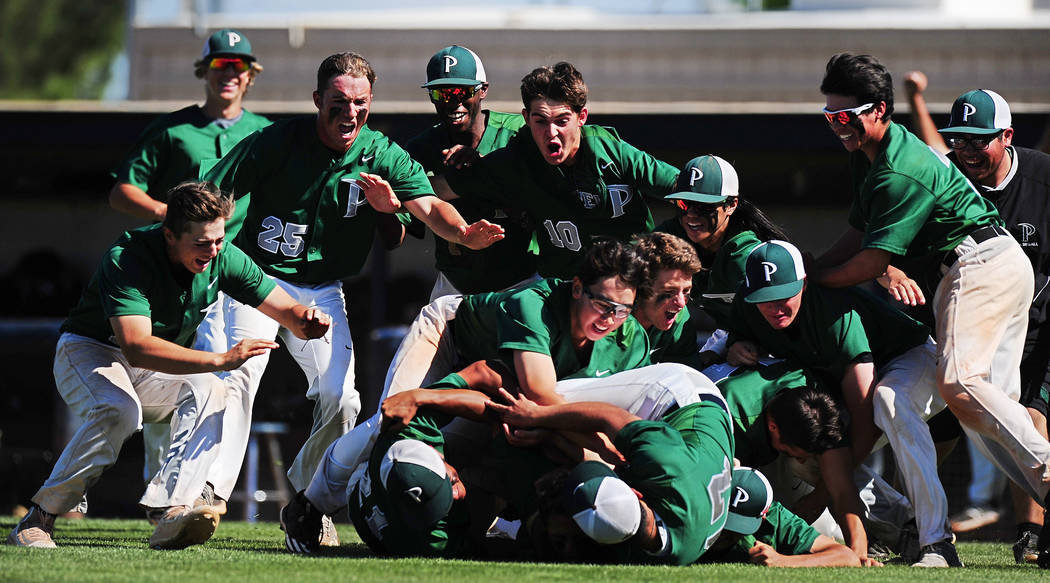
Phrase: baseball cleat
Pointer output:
(301, 523)
(329, 535)
(941, 554)
(1026, 549)
(34, 530)
(183, 526)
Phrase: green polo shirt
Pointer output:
(913, 201)
(136, 278)
(536, 319)
(834, 328)
(602, 193)
(498, 266)
(308, 221)
(170, 149)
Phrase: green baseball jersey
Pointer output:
(676, 344)
(914, 201)
(136, 278)
(602, 193)
(747, 391)
(781, 529)
(834, 328)
(308, 221)
(498, 266)
(683, 467)
(170, 149)
(369, 505)
(536, 319)
(716, 284)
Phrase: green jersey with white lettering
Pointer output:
(309, 221)
(602, 193)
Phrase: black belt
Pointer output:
(979, 236)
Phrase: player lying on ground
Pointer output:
(123, 358)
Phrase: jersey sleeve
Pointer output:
(525, 325)
(123, 285)
(654, 178)
(147, 157)
(242, 279)
(786, 532)
(897, 208)
(848, 340)
(406, 176)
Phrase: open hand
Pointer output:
(379, 193)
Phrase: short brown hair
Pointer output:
(340, 64)
(195, 202)
(664, 251)
(562, 83)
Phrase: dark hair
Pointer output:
(664, 251)
(749, 217)
(195, 202)
(860, 76)
(340, 64)
(609, 257)
(808, 419)
(562, 83)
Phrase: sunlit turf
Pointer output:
(115, 550)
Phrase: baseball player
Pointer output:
(456, 84)
(310, 224)
(573, 181)
(1016, 180)
(723, 228)
(759, 530)
(882, 361)
(661, 306)
(670, 497)
(171, 151)
(911, 201)
(123, 357)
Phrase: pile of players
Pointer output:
(554, 400)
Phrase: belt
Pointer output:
(979, 236)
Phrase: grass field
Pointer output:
(115, 551)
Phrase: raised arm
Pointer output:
(915, 83)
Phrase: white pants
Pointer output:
(113, 398)
(156, 437)
(646, 392)
(905, 396)
(329, 367)
(981, 307)
(444, 287)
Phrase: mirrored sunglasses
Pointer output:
(845, 116)
(238, 65)
(452, 94)
(958, 142)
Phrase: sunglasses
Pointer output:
(238, 65)
(607, 307)
(453, 94)
(958, 142)
(701, 208)
(846, 116)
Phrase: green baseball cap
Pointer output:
(417, 486)
(980, 112)
(604, 507)
(749, 501)
(774, 271)
(454, 65)
(227, 43)
(707, 179)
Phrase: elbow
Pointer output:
(134, 354)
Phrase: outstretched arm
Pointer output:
(306, 323)
(584, 416)
(134, 335)
(398, 410)
(447, 223)
(825, 552)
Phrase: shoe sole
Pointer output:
(198, 525)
